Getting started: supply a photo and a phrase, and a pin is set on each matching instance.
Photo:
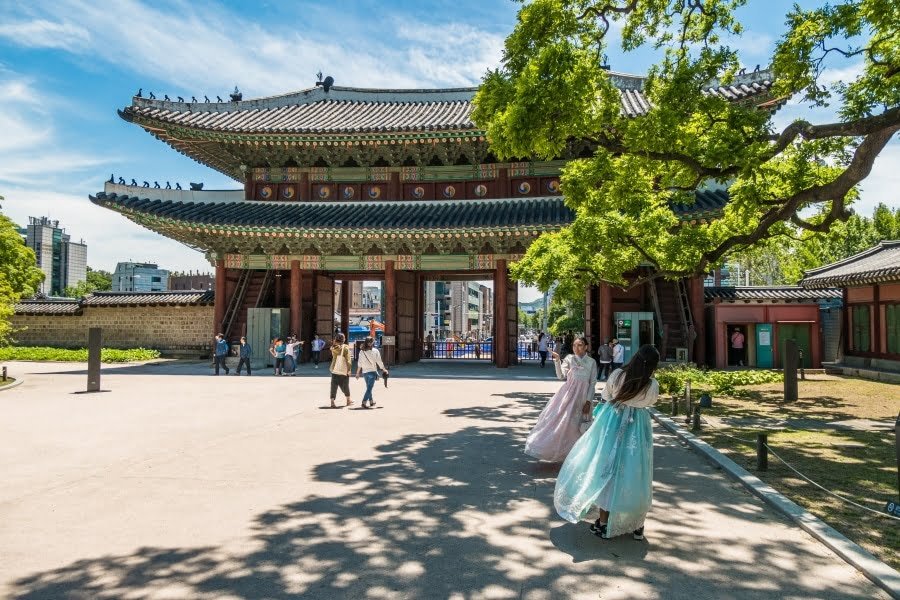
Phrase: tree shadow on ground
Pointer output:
(461, 515)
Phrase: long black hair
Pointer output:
(636, 375)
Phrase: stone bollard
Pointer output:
(695, 419)
(674, 404)
(4, 373)
(790, 370)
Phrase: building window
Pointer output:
(156, 280)
(892, 327)
(861, 339)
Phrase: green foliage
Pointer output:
(552, 98)
(47, 354)
(672, 379)
(565, 314)
(19, 275)
(96, 281)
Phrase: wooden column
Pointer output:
(296, 283)
(501, 319)
(395, 189)
(390, 307)
(220, 301)
(698, 312)
(304, 187)
(605, 314)
(248, 188)
(278, 291)
(502, 182)
(346, 292)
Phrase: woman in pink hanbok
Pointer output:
(559, 425)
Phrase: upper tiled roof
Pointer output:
(879, 264)
(68, 306)
(390, 215)
(173, 298)
(356, 110)
(768, 294)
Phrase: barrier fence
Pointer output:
(480, 350)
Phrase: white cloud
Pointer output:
(200, 49)
(40, 33)
(883, 184)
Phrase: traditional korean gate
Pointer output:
(591, 324)
(407, 316)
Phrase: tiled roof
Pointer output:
(173, 298)
(355, 110)
(459, 214)
(879, 264)
(768, 294)
(48, 307)
(439, 214)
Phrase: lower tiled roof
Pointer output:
(460, 214)
(172, 298)
(880, 264)
(768, 294)
(48, 307)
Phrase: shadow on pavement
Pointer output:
(463, 515)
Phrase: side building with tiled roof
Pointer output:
(343, 184)
(870, 287)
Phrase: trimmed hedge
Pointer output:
(672, 379)
(47, 354)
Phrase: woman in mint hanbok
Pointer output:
(559, 425)
(610, 468)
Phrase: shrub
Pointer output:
(47, 354)
(672, 378)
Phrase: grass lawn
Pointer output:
(860, 465)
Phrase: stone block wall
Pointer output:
(182, 330)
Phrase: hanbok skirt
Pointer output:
(610, 468)
(558, 426)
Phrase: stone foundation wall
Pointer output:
(184, 330)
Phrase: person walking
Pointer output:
(618, 354)
(368, 366)
(737, 348)
(429, 345)
(244, 354)
(341, 366)
(611, 466)
(604, 360)
(543, 338)
(221, 353)
(559, 425)
(318, 344)
(277, 351)
(291, 351)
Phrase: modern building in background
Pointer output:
(454, 308)
(179, 281)
(139, 277)
(63, 261)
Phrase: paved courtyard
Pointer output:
(176, 484)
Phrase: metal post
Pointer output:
(674, 405)
(790, 370)
(897, 443)
(695, 419)
(4, 373)
(762, 452)
(94, 345)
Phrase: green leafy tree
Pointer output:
(19, 274)
(96, 281)
(565, 314)
(552, 91)
(886, 222)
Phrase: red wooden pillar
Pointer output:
(346, 292)
(248, 188)
(502, 183)
(605, 314)
(501, 318)
(697, 311)
(296, 284)
(390, 308)
(220, 301)
(278, 291)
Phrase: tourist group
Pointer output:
(606, 451)
(286, 353)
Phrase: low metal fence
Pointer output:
(481, 350)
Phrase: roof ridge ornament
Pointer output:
(236, 95)
(325, 84)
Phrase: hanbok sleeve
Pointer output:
(592, 381)
(562, 367)
(606, 394)
(648, 398)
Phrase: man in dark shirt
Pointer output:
(604, 361)
(221, 352)
(244, 353)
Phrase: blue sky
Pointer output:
(67, 65)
